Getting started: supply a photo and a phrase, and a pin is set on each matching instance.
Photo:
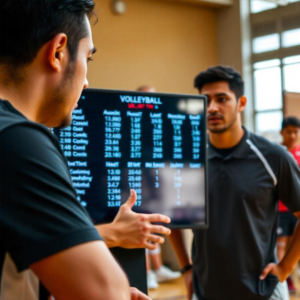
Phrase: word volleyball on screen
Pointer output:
(153, 143)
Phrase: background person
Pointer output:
(287, 221)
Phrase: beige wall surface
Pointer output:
(292, 104)
(158, 43)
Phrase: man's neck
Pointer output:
(23, 97)
(228, 138)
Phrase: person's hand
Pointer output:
(137, 295)
(188, 279)
(134, 230)
(276, 270)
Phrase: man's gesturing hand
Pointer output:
(134, 230)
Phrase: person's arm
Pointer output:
(134, 230)
(177, 243)
(135, 294)
(288, 191)
(85, 271)
(290, 259)
(52, 233)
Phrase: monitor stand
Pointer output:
(133, 262)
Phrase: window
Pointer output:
(268, 124)
(267, 64)
(268, 93)
(276, 62)
(266, 43)
(268, 98)
(258, 6)
(291, 71)
(270, 121)
(291, 37)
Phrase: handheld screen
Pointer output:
(153, 143)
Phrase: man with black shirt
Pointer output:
(235, 257)
(44, 49)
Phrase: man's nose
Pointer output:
(212, 106)
(86, 84)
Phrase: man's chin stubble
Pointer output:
(65, 123)
(220, 130)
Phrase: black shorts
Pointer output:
(287, 223)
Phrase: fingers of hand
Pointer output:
(266, 271)
(131, 200)
(150, 245)
(153, 218)
(156, 239)
(134, 293)
(160, 229)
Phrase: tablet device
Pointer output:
(152, 142)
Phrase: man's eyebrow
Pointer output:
(221, 94)
(216, 95)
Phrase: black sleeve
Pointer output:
(40, 214)
(289, 181)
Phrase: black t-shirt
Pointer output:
(244, 188)
(40, 214)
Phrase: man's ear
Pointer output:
(57, 52)
(242, 103)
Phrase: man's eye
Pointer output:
(222, 99)
(89, 59)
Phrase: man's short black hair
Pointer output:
(26, 25)
(221, 73)
(290, 121)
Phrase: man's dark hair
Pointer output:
(221, 73)
(290, 121)
(26, 25)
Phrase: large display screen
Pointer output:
(150, 142)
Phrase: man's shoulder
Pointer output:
(22, 138)
(20, 125)
(266, 147)
(8, 119)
